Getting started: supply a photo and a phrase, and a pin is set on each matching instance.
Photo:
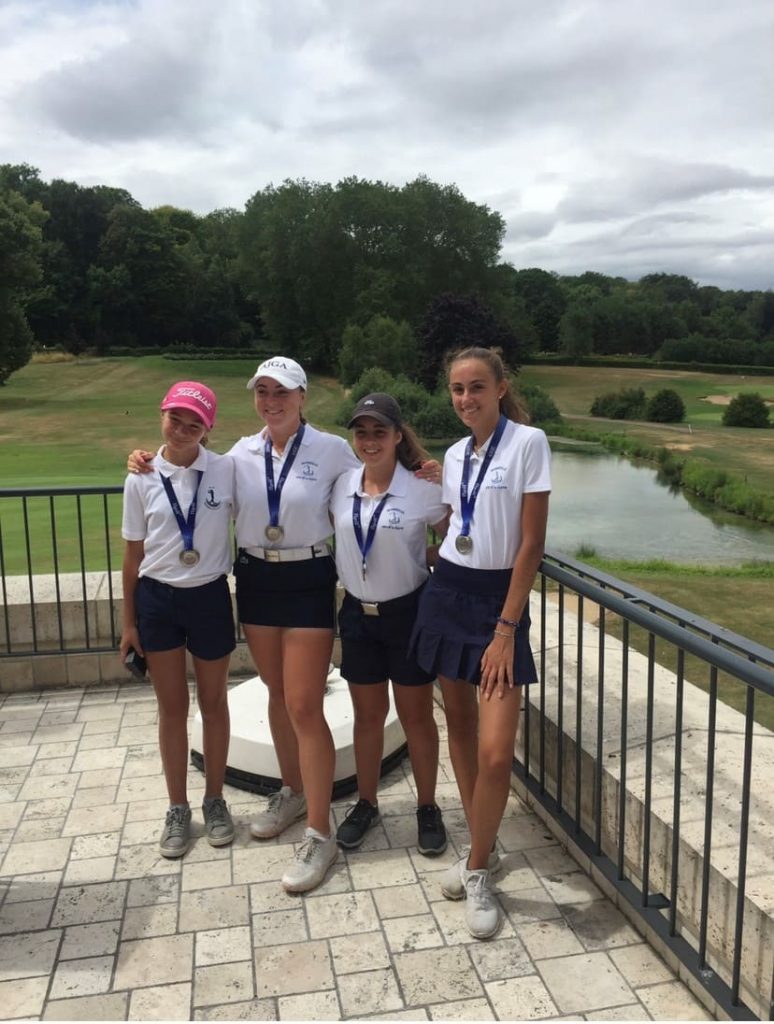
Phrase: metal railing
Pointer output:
(59, 548)
(553, 773)
(56, 545)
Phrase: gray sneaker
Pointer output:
(218, 824)
(452, 885)
(311, 862)
(176, 834)
(284, 807)
(482, 914)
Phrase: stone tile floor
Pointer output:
(95, 925)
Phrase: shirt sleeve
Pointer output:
(537, 463)
(435, 507)
(133, 524)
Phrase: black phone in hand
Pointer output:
(136, 663)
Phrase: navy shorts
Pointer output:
(199, 618)
(456, 621)
(300, 594)
(374, 648)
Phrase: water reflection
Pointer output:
(623, 511)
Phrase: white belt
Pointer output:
(288, 554)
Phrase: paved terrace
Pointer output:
(95, 925)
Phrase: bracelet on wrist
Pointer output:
(508, 636)
(508, 622)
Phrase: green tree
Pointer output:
(576, 331)
(665, 406)
(382, 343)
(746, 410)
(20, 245)
(459, 321)
(544, 303)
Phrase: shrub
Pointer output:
(626, 404)
(666, 406)
(746, 410)
(542, 408)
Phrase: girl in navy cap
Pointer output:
(473, 623)
(381, 512)
(175, 597)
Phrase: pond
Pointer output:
(622, 511)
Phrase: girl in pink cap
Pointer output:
(176, 598)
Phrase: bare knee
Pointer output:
(371, 716)
(306, 715)
(494, 762)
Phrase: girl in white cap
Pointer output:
(473, 623)
(286, 586)
(176, 597)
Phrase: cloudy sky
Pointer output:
(624, 136)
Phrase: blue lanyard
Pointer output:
(467, 504)
(365, 545)
(274, 492)
(185, 523)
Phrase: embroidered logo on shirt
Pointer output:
(308, 471)
(211, 501)
(496, 480)
(394, 519)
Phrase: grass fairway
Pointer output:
(74, 422)
(740, 599)
(748, 453)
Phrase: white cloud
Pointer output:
(625, 137)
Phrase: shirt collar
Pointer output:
(170, 469)
(398, 485)
(258, 441)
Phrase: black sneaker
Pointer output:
(431, 833)
(352, 831)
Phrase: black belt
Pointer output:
(395, 604)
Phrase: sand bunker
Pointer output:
(718, 399)
(676, 447)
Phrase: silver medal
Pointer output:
(464, 544)
(189, 557)
(274, 533)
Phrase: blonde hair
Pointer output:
(511, 404)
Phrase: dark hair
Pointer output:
(511, 404)
(410, 452)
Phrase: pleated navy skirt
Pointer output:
(456, 620)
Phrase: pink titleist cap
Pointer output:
(198, 398)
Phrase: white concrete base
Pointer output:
(252, 761)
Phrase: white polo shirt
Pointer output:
(521, 465)
(303, 514)
(397, 561)
(148, 517)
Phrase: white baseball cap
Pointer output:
(285, 371)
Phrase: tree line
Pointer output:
(345, 276)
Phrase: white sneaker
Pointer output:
(284, 807)
(482, 914)
(452, 884)
(311, 862)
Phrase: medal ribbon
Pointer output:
(274, 491)
(185, 523)
(467, 504)
(365, 545)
